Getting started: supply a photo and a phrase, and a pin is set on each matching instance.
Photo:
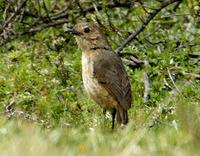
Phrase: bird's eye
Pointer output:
(86, 30)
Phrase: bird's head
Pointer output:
(89, 36)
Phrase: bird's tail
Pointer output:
(122, 116)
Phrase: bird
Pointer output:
(103, 73)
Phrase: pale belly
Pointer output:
(95, 90)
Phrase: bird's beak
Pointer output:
(73, 31)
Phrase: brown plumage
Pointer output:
(104, 75)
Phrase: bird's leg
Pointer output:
(113, 117)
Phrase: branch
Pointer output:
(9, 20)
(56, 19)
(34, 30)
(142, 26)
(177, 5)
(146, 87)
(170, 76)
(43, 26)
(91, 9)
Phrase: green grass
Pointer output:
(150, 136)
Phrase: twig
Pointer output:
(80, 7)
(34, 30)
(36, 70)
(142, 26)
(6, 10)
(90, 9)
(56, 19)
(137, 61)
(21, 4)
(170, 76)
(46, 11)
(27, 116)
(143, 7)
(183, 72)
(194, 55)
(177, 5)
(150, 34)
(197, 76)
(146, 87)
(167, 84)
(41, 27)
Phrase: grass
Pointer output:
(179, 137)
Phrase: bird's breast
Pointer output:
(96, 91)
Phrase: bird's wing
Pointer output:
(111, 74)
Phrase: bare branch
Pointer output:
(9, 20)
(146, 86)
(170, 76)
(142, 26)
(39, 23)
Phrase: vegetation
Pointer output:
(44, 109)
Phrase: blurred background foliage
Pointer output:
(42, 97)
